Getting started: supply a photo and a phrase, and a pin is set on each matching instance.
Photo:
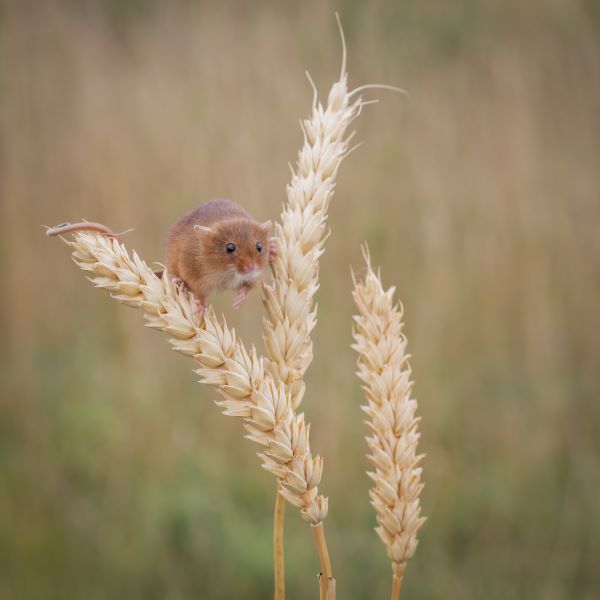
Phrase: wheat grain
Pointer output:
(384, 368)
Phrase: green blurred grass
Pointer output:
(479, 195)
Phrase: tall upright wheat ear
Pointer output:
(247, 389)
(290, 315)
(384, 368)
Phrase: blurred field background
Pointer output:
(480, 197)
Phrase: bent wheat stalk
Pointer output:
(384, 368)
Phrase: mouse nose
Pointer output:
(249, 268)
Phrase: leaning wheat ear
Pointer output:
(385, 371)
(247, 389)
(288, 298)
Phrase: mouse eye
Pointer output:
(259, 246)
(230, 248)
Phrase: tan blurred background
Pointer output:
(480, 197)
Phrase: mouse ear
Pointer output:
(266, 226)
(203, 229)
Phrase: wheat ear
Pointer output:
(384, 368)
(288, 299)
(238, 374)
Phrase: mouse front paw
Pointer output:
(241, 297)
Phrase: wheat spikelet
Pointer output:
(385, 372)
(247, 389)
(288, 298)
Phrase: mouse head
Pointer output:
(238, 246)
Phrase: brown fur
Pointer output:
(200, 258)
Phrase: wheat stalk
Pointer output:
(384, 368)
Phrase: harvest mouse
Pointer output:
(218, 246)
(214, 247)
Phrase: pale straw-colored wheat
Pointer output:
(384, 368)
(238, 374)
(301, 235)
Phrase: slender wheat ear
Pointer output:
(383, 366)
(288, 298)
(238, 374)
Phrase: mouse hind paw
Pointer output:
(179, 283)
